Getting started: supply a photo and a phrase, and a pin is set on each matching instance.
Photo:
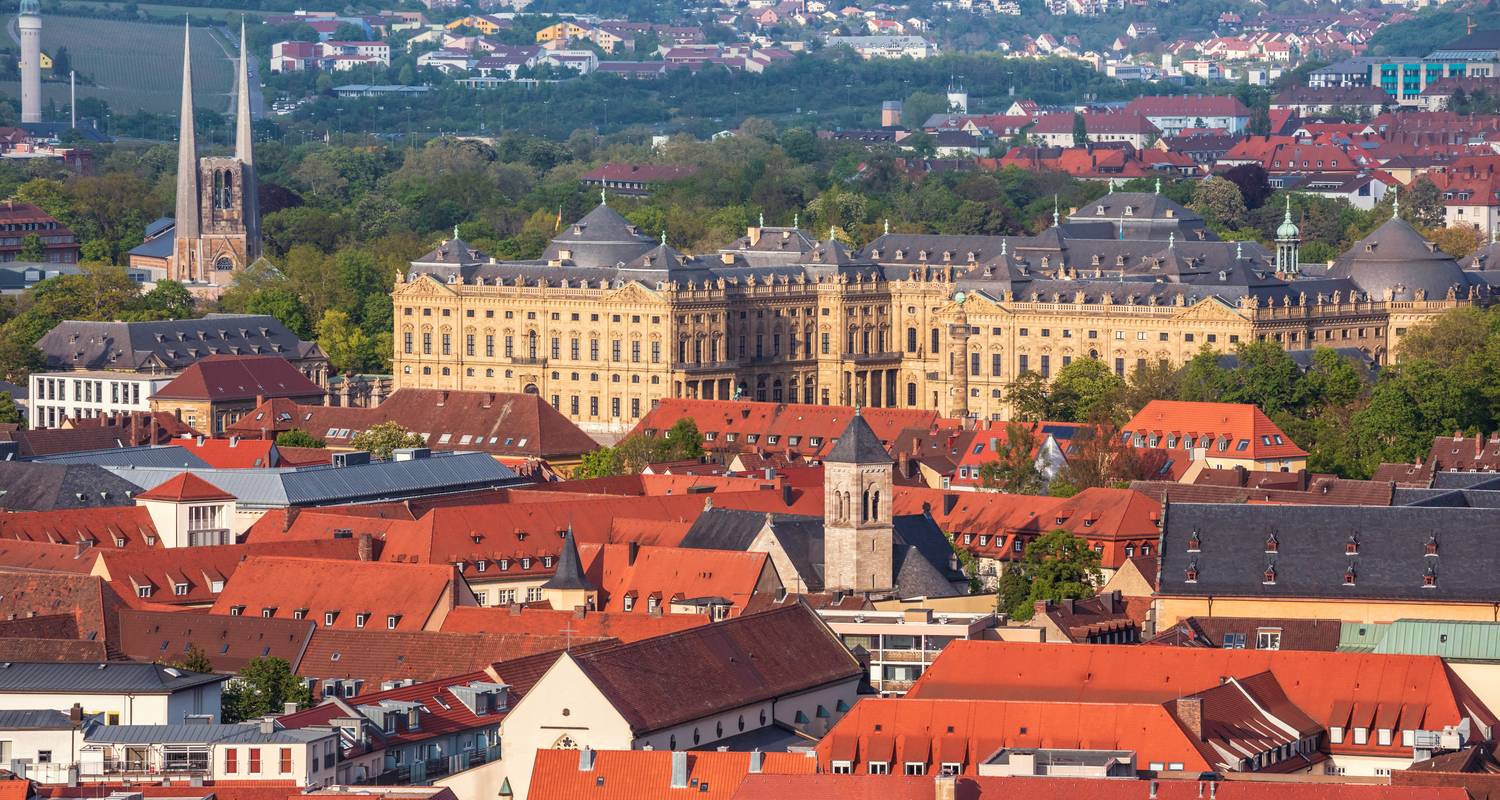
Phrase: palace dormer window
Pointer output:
(1269, 576)
(1272, 544)
(1195, 543)
(1191, 575)
(1429, 578)
(1351, 547)
(1432, 546)
(1349, 576)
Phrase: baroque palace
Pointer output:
(608, 321)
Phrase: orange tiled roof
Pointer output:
(188, 575)
(639, 774)
(547, 622)
(109, 527)
(621, 570)
(826, 786)
(1327, 686)
(186, 487)
(966, 732)
(414, 594)
(1244, 429)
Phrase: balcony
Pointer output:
(894, 686)
(438, 767)
(875, 358)
(527, 361)
(708, 366)
(905, 656)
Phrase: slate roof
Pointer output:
(99, 678)
(46, 487)
(920, 553)
(223, 378)
(191, 733)
(327, 485)
(601, 239)
(734, 663)
(39, 720)
(170, 345)
(569, 574)
(1397, 258)
(858, 444)
(1311, 558)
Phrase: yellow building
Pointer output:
(486, 25)
(562, 31)
(608, 321)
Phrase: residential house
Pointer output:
(753, 675)
(28, 233)
(345, 595)
(634, 180)
(215, 391)
(1171, 114)
(120, 693)
(1056, 130)
(649, 774)
(84, 394)
(900, 643)
(1213, 435)
(167, 347)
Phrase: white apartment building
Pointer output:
(56, 396)
(901, 643)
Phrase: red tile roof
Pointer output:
(1194, 105)
(1321, 684)
(647, 774)
(744, 660)
(1228, 427)
(621, 570)
(89, 600)
(234, 453)
(967, 732)
(417, 596)
(538, 621)
(377, 656)
(229, 642)
(109, 527)
(220, 378)
(825, 786)
(47, 556)
(499, 424)
(793, 429)
(198, 569)
(185, 488)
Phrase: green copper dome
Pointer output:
(31, 7)
(1287, 229)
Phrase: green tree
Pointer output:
(167, 300)
(1030, 397)
(10, 412)
(263, 687)
(1080, 130)
(1086, 389)
(32, 248)
(601, 463)
(195, 660)
(683, 440)
(1055, 566)
(297, 437)
(1220, 202)
(349, 348)
(385, 438)
(1014, 469)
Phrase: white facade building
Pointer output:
(56, 396)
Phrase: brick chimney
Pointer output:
(366, 547)
(945, 787)
(1190, 714)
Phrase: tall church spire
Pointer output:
(244, 151)
(242, 145)
(187, 151)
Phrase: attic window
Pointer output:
(1272, 544)
(1432, 546)
(1129, 211)
(547, 561)
(235, 611)
(1191, 574)
(1351, 547)
(1194, 543)
(1269, 577)
(361, 619)
(504, 564)
(329, 617)
(526, 562)
(392, 620)
(1429, 578)
(1349, 576)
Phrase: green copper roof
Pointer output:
(1451, 639)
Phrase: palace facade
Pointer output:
(608, 320)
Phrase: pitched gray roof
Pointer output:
(46, 719)
(164, 456)
(439, 473)
(98, 678)
(168, 345)
(189, 733)
(1310, 557)
(569, 574)
(26, 486)
(1397, 258)
(858, 444)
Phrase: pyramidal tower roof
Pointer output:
(187, 149)
(569, 573)
(858, 444)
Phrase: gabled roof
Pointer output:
(828, 786)
(673, 574)
(380, 655)
(641, 774)
(415, 595)
(189, 575)
(968, 732)
(185, 488)
(169, 345)
(537, 621)
(1232, 425)
(1324, 685)
(744, 660)
(93, 678)
(495, 423)
(127, 527)
(229, 642)
(224, 378)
